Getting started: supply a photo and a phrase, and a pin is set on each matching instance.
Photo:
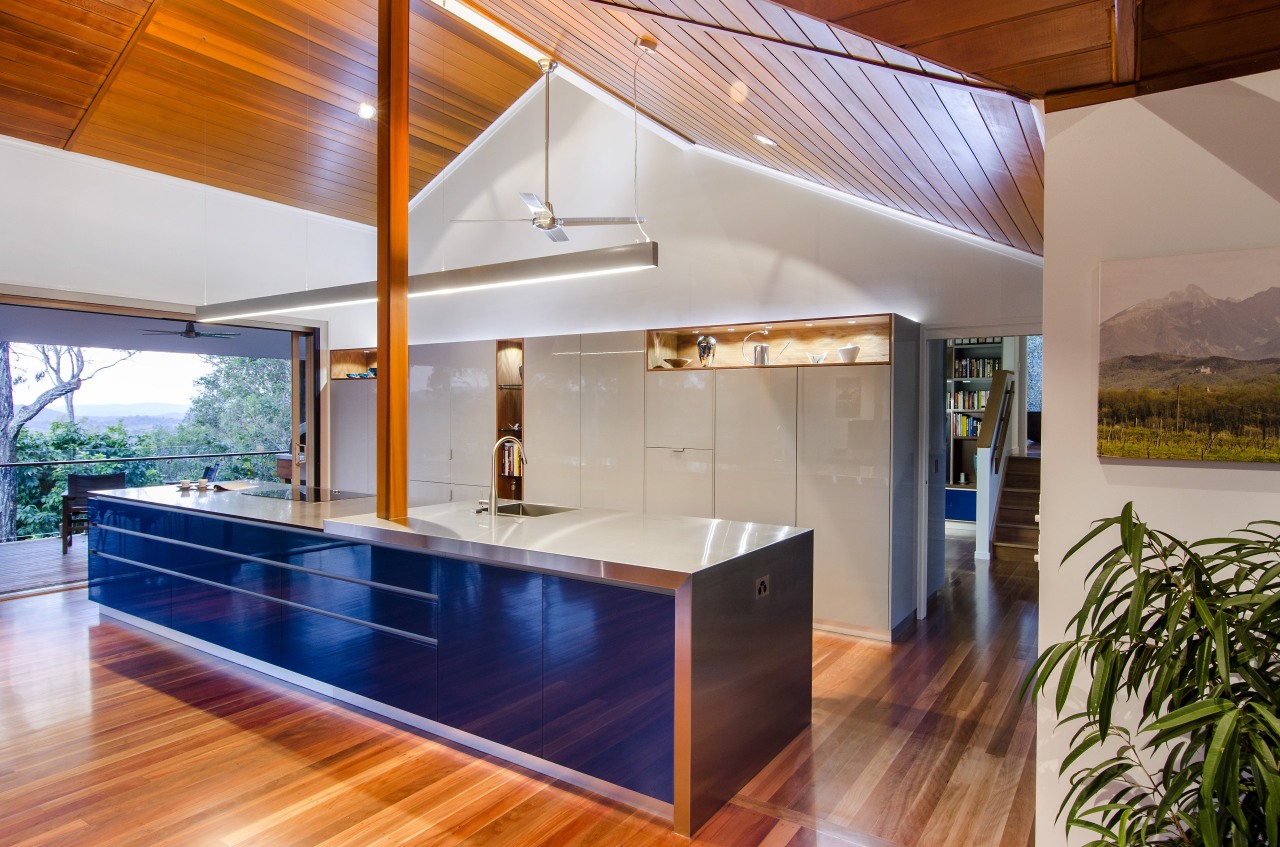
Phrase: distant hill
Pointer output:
(1192, 323)
(1161, 370)
(136, 417)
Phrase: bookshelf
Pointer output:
(510, 416)
(970, 364)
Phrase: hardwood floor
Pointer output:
(110, 736)
(27, 566)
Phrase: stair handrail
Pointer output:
(995, 428)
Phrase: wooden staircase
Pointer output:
(1016, 537)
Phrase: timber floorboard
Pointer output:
(112, 736)
(37, 564)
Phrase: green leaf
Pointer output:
(1065, 677)
(1224, 734)
(1188, 716)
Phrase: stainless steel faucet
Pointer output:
(521, 457)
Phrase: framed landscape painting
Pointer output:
(1189, 364)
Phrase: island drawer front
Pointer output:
(365, 661)
(247, 623)
(136, 591)
(491, 652)
(608, 683)
(414, 615)
(381, 565)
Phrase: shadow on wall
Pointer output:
(1212, 116)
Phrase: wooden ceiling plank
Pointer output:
(35, 133)
(1031, 133)
(1221, 42)
(304, 23)
(895, 104)
(1008, 141)
(905, 150)
(986, 154)
(50, 66)
(43, 42)
(775, 118)
(20, 76)
(211, 82)
(838, 52)
(941, 124)
(1071, 71)
(911, 24)
(1169, 17)
(254, 177)
(267, 144)
(76, 22)
(121, 59)
(1125, 41)
(864, 135)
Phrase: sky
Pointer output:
(147, 377)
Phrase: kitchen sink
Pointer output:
(531, 510)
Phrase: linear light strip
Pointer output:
(586, 263)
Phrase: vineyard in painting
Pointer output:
(1192, 376)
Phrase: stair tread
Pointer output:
(1023, 545)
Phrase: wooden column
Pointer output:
(393, 258)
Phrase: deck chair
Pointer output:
(75, 500)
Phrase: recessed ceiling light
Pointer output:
(739, 92)
(731, 329)
(767, 326)
(366, 111)
(808, 324)
(765, 140)
(853, 322)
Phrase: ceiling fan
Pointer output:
(544, 215)
(189, 331)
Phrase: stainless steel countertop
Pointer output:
(233, 504)
(658, 552)
(644, 550)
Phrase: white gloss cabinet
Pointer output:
(843, 493)
(679, 481)
(452, 397)
(353, 448)
(553, 420)
(613, 420)
(755, 439)
(680, 409)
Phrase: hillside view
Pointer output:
(1192, 377)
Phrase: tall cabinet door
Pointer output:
(472, 408)
(679, 436)
(613, 420)
(430, 384)
(352, 438)
(842, 492)
(553, 419)
(755, 477)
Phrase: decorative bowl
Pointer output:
(849, 354)
(677, 363)
(373, 371)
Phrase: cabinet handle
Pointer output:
(677, 449)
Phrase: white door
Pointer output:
(472, 410)
(680, 409)
(430, 384)
(679, 481)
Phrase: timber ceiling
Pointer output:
(1078, 52)
(916, 137)
(258, 96)
(255, 96)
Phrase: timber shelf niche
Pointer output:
(791, 343)
(356, 361)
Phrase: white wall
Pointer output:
(735, 244)
(75, 223)
(1189, 171)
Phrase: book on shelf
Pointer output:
(975, 368)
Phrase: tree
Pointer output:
(12, 421)
(242, 405)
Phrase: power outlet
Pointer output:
(762, 587)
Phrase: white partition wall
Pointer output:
(553, 419)
(755, 477)
(613, 420)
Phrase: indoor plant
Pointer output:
(1186, 636)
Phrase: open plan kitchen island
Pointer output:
(658, 660)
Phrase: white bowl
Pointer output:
(850, 353)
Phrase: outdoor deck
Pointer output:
(29, 566)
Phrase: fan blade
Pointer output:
(159, 332)
(534, 202)
(216, 334)
(489, 221)
(556, 234)
(598, 221)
